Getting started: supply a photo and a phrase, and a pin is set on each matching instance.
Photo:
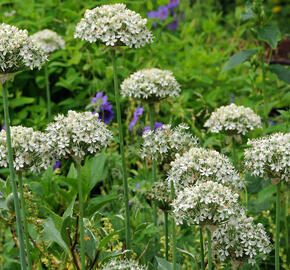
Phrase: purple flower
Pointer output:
(137, 113)
(173, 25)
(4, 127)
(105, 111)
(153, 14)
(1, 195)
(271, 123)
(232, 99)
(138, 185)
(130, 203)
(163, 12)
(156, 126)
(56, 165)
(173, 3)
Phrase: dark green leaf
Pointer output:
(282, 73)
(97, 164)
(165, 265)
(269, 33)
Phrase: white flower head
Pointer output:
(77, 134)
(163, 143)
(160, 193)
(240, 239)
(199, 164)
(233, 120)
(123, 265)
(114, 25)
(269, 156)
(17, 50)
(48, 40)
(31, 150)
(152, 84)
(206, 203)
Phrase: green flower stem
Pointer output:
(286, 225)
(264, 83)
(201, 248)
(48, 99)
(13, 182)
(121, 142)
(166, 234)
(173, 230)
(234, 153)
(277, 240)
(209, 249)
(24, 215)
(81, 220)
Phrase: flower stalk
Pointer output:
(48, 98)
(277, 240)
(209, 249)
(173, 230)
(166, 235)
(201, 248)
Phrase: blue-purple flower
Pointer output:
(137, 113)
(173, 3)
(103, 107)
(156, 126)
(163, 12)
(4, 127)
(232, 99)
(56, 165)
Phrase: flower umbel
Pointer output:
(123, 265)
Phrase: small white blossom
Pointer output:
(123, 265)
(199, 164)
(114, 25)
(49, 41)
(240, 239)
(163, 143)
(153, 84)
(206, 203)
(233, 120)
(160, 193)
(17, 50)
(269, 156)
(30, 148)
(77, 134)
(10, 13)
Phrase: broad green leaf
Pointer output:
(14, 103)
(282, 73)
(165, 265)
(91, 244)
(95, 204)
(248, 12)
(269, 33)
(70, 223)
(239, 58)
(55, 217)
(107, 238)
(97, 164)
(68, 212)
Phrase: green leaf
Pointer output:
(57, 220)
(239, 58)
(91, 244)
(68, 212)
(282, 73)
(18, 102)
(97, 164)
(269, 33)
(95, 204)
(107, 238)
(70, 223)
(165, 265)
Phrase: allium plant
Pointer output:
(240, 240)
(160, 194)
(233, 120)
(202, 165)
(150, 84)
(123, 265)
(114, 25)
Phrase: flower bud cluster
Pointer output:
(161, 195)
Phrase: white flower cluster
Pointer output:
(114, 25)
(240, 239)
(232, 120)
(163, 143)
(49, 41)
(31, 150)
(150, 84)
(269, 156)
(160, 193)
(206, 203)
(199, 164)
(123, 265)
(77, 134)
(17, 50)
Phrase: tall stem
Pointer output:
(166, 234)
(277, 240)
(24, 215)
(13, 182)
(173, 230)
(81, 220)
(209, 249)
(201, 248)
(48, 99)
(121, 142)
(264, 83)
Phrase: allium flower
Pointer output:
(31, 150)
(269, 156)
(160, 193)
(137, 113)
(206, 203)
(156, 126)
(233, 120)
(77, 134)
(17, 50)
(104, 108)
(114, 25)
(163, 143)
(153, 84)
(123, 265)
(199, 164)
(49, 41)
(240, 239)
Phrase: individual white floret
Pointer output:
(233, 120)
(163, 143)
(49, 41)
(241, 240)
(206, 203)
(199, 164)
(114, 25)
(77, 134)
(153, 84)
(30, 149)
(269, 156)
(17, 50)
(123, 265)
